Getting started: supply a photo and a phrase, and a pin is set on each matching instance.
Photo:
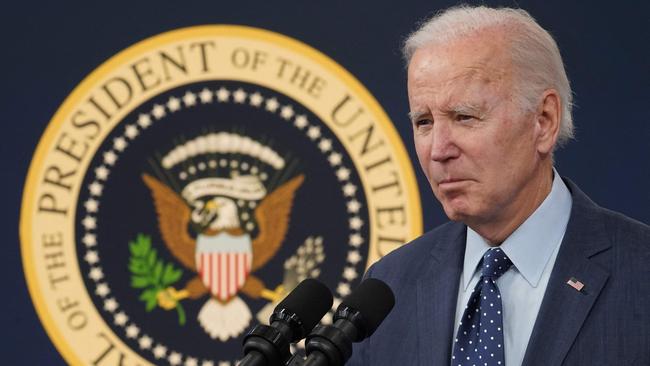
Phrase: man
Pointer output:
(529, 271)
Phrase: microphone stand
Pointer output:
(331, 345)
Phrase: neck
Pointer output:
(225, 225)
(497, 230)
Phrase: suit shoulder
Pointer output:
(409, 256)
(626, 232)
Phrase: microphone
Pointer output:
(355, 319)
(290, 322)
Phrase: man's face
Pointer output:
(475, 145)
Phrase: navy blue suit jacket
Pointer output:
(607, 323)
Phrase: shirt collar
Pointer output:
(531, 245)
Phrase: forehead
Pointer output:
(481, 58)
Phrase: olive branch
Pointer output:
(151, 274)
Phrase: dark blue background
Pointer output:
(48, 48)
(125, 181)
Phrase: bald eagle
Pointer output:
(223, 255)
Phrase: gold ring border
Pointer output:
(141, 47)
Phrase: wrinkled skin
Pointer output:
(488, 161)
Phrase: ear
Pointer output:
(547, 121)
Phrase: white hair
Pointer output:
(535, 55)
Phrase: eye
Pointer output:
(422, 123)
(464, 117)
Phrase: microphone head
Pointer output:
(304, 307)
(373, 300)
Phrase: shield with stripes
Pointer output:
(224, 267)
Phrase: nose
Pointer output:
(443, 145)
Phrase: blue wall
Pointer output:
(49, 48)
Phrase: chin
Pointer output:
(458, 217)
(455, 213)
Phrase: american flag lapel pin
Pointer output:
(577, 285)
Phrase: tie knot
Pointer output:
(495, 263)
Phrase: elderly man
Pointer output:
(529, 271)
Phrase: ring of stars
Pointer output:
(187, 100)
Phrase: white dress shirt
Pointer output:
(532, 248)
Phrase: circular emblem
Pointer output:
(190, 182)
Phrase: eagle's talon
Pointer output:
(169, 297)
(273, 295)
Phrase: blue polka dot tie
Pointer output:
(479, 341)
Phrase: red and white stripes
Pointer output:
(224, 273)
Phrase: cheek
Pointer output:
(494, 165)
(422, 150)
(504, 159)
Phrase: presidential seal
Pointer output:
(192, 181)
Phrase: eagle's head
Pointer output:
(218, 213)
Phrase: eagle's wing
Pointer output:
(272, 217)
(173, 216)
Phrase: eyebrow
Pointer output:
(459, 108)
(464, 108)
(414, 116)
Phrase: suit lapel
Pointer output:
(564, 309)
(437, 290)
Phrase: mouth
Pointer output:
(208, 218)
(451, 183)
